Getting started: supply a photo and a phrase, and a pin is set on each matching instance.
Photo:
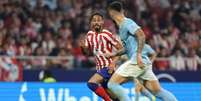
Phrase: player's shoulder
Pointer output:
(129, 20)
(131, 25)
(106, 32)
(90, 32)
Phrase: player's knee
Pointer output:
(155, 90)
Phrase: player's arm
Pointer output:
(134, 29)
(120, 49)
(114, 61)
(141, 41)
(85, 47)
(120, 52)
(116, 44)
(85, 51)
(117, 53)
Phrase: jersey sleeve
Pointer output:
(150, 50)
(114, 40)
(132, 27)
(111, 38)
(87, 40)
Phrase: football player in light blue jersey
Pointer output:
(138, 65)
(139, 88)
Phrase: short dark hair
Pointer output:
(96, 13)
(116, 5)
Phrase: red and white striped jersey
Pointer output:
(99, 44)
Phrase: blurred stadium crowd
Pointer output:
(43, 28)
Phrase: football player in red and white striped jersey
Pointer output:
(98, 42)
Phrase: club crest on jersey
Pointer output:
(110, 71)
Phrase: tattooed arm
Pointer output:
(141, 41)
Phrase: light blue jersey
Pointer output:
(127, 31)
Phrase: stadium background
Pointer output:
(38, 35)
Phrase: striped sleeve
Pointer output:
(110, 37)
(88, 39)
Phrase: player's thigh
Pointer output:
(148, 74)
(128, 69)
(153, 85)
(118, 79)
(96, 78)
(150, 80)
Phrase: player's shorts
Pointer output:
(106, 73)
(128, 69)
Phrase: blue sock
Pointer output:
(148, 94)
(118, 90)
(165, 95)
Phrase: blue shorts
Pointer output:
(106, 73)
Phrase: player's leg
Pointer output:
(115, 87)
(140, 89)
(153, 85)
(120, 76)
(112, 95)
(94, 84)
(133, 70)
(158, 91)
(107, 75)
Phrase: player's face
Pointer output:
(111, 13)
(97, 23)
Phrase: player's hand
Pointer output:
(108, 55)
(139, 61)
(82, 43)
